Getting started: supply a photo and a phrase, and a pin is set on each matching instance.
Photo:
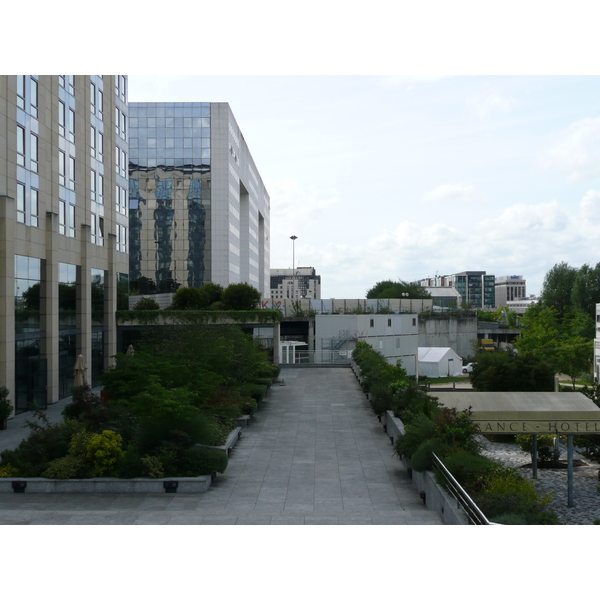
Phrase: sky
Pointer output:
(405, 177)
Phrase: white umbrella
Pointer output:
(129, 350)
(80, 378)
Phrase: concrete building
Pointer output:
(509, 288)
(301, 282)
(63, 229)
(396, 336)
(199, 210)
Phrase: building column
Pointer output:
(50, 310)
(276, 342)
(84, 299)
(110, 304)
(7, 295)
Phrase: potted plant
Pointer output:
(6, 407)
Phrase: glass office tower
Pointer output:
(199, 211)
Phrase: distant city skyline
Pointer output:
(405, 177)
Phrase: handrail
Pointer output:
(474, 513)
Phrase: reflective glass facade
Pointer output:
(169, 196)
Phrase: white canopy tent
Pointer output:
(439, 362)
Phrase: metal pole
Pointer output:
(570, 470)
(534, 456)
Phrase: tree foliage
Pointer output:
(507, 371)
(397, 289)
(557, 288)
(241, 296)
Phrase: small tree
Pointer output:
(146, 304)
(189, 298)
(241, 296)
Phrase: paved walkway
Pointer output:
(314, 454)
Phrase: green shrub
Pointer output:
(456, 429)
(506, 492)
(189, 298)
(470, 470)
(421, 459)
(152, 467)
(146, 304)
(264, 381)
(420, 430)
(197, 460)
(172, 432)
(511, 519)
(381, 398)
(68, 467)
(254, 390)
(104, 450)
(249, 407)
(44, 444)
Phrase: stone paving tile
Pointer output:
(314, 454)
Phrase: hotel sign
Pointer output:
(539, 427)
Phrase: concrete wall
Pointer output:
(448, 332)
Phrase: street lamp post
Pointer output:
(293, 238)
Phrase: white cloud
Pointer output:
(454, 193)
(483, 106)
(576, 150)
(525, 239)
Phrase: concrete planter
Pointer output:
(105, 485)
(232, 440)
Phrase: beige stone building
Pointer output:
(63, 229)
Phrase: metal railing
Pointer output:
(473, 512)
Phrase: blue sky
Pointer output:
(387, 177)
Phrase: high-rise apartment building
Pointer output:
(199, 210)
(298, 283)
(63, 229)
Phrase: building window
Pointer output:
(34, 97)
(93, 185)
(389, 322)
(33, 141)
(371, 323)
(62, 167)
(100, 189)
(71, 125)
(93, 141)
(71, 84)
(71, 173)
(20, 146)
(93, 98)
(414, 321)
(61, 118)
(100, 104)
(62, 217)
(33, 206)
(21, 91)
(71, 220)
(20, 203)
(100, 147)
